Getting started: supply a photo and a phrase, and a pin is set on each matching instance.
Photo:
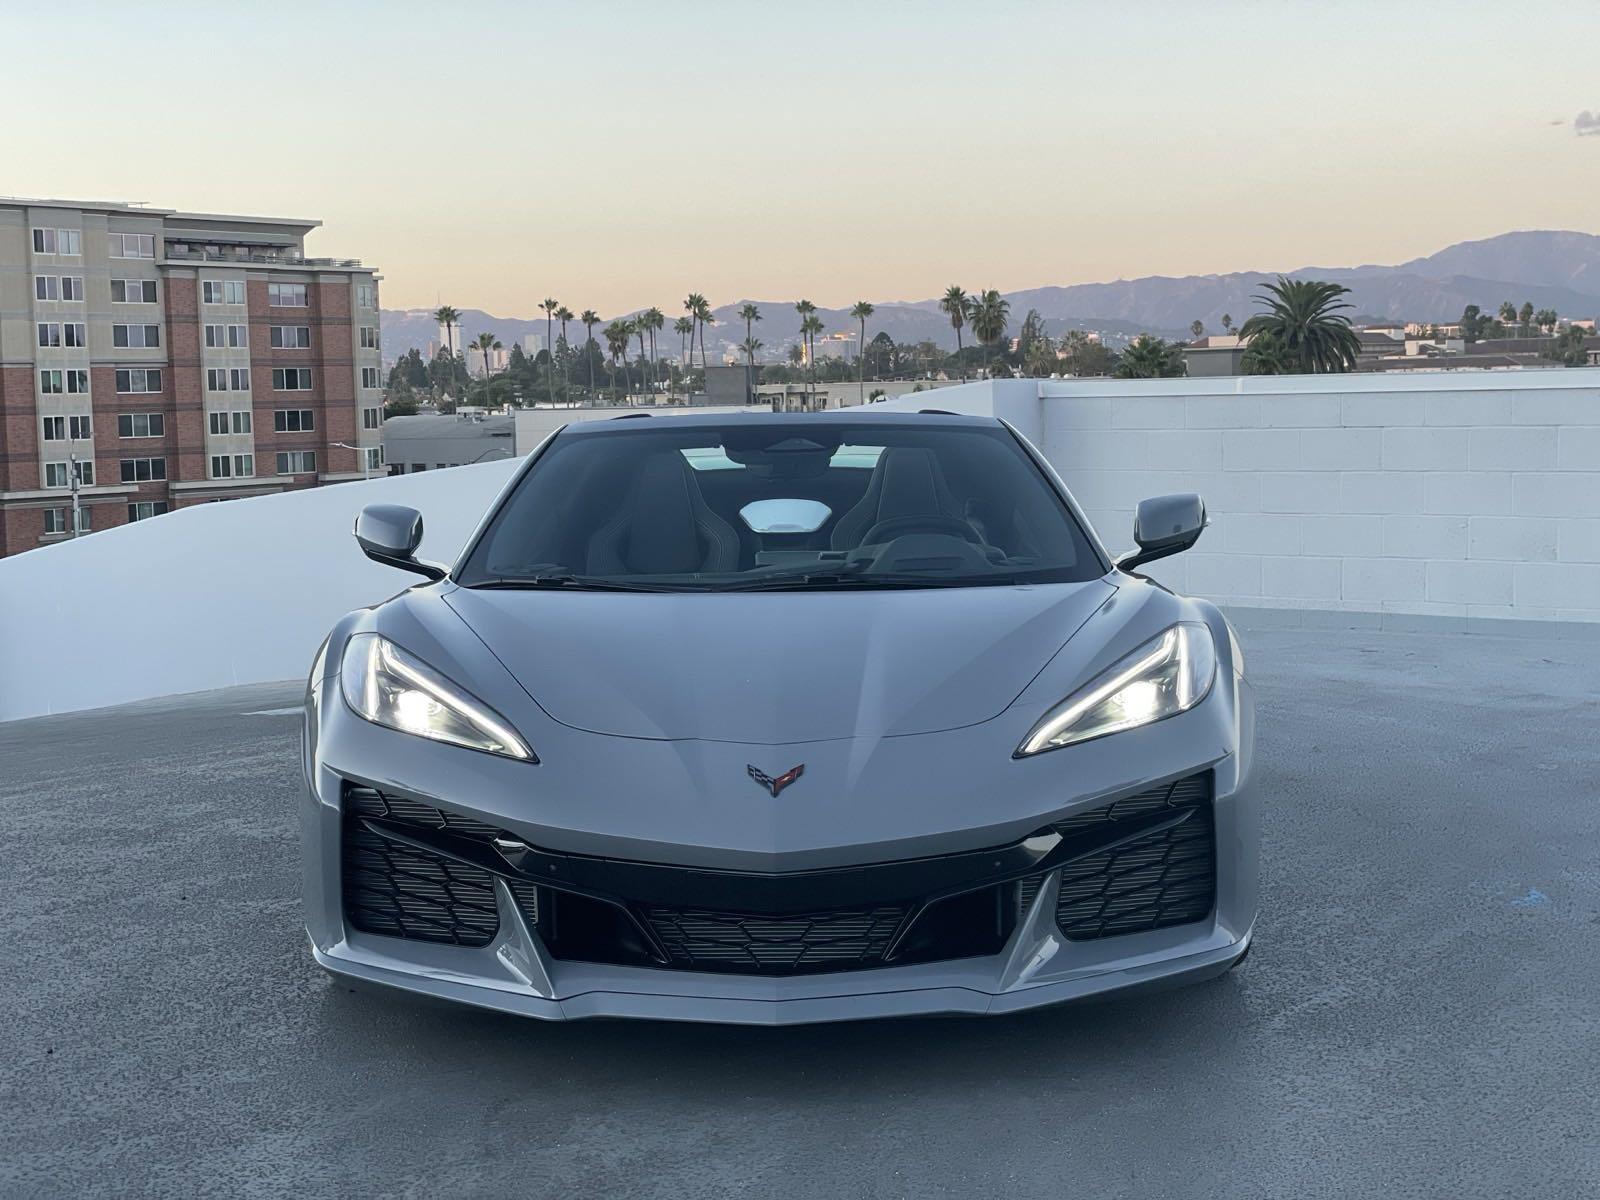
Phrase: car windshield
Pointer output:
(781, 505)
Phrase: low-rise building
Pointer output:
(432, 442)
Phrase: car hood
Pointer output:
(772, 668)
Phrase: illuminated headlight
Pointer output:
(1167, 675)
(390, 687)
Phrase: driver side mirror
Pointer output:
(390, 534)
(1164, 525)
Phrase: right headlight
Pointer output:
(1169, 674)
(390, 687)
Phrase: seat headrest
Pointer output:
(662, 538)
(910, 483)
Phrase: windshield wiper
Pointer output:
(586, 583)
(823, 580)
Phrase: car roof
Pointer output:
(926, 419)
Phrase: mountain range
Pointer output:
(1551, 268)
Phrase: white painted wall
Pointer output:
(1441, 495)
(213, 595)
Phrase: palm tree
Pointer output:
(807, 311)
(590, 319)
(1197, 327)
(1150, 358)
(1508, 312)
(617, 335)
(550, 307)
(809, 329)
(954, 306)
(861, 312)
(702, 314)
(694, 304)
(450, 319)
(485, 343)
(750, 346)
(1545, 318)
(1265, 355)
(653, 319)
(1227, 323)
(564, 314)
(641, 330)
(1304, 316)
(988, 318)
(1525, 315)
(747, 314)
(684, 328)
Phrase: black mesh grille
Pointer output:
(840, 940)
(402, 891)
(1152, 882)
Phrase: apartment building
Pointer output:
(164, 358)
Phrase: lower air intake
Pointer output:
(402, 891)
(839, 940)
(1163, 878)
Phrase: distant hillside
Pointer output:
(1551, 268)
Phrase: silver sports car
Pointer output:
(773, 719)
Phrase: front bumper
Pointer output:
(517, 966)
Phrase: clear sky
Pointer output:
(615, 155)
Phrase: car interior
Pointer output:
(766, 500)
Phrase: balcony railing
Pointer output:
(272, 258)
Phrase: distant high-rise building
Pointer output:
(176, 358)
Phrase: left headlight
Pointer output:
(390, 687)
(1169, 674)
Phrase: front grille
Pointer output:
(403, 891)
(838, 940)
(1162, 879)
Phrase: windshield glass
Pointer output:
(786, 505)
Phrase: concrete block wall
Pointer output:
(1430, 500)
(1445, 494)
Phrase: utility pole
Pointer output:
(77, 509)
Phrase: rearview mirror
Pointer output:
(390, 534)
(1164, 525)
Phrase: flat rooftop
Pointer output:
(137, 209)
(1416, 1017)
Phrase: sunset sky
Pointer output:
(615, 155)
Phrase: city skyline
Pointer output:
(849, 154)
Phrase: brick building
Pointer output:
(173, 358)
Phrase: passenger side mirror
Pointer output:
(390, 534)
(1164, 525)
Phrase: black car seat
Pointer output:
(906, 482)
(663, 526)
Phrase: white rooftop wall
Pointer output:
(213, 595)
(1431, 499)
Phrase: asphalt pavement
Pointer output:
(1420, 1015)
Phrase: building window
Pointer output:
(236, 466)
(286, 295)
(136, 336)
(46, 287)
(74, 334)
(135, 380)
(366, 295)
(297, 462)
(56, 474)
(141, 425)
(373, 456)
(133, 291)
(72, 287)
(132, 245)
(371, 418)
(369, 337)
(55, 519)
(80, 428)
(55, 429)
(143, 510)
(77, 383)
(242, 421)
(291, 337)
(50, 383)
(293, 420)
(369, 378)
(57, 241)
(239, 379)
(49, 333)
(291, 379)
(231, 337)
(222, 291)
(143, 470)
(217, 422)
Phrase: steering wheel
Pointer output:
(921, 523)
